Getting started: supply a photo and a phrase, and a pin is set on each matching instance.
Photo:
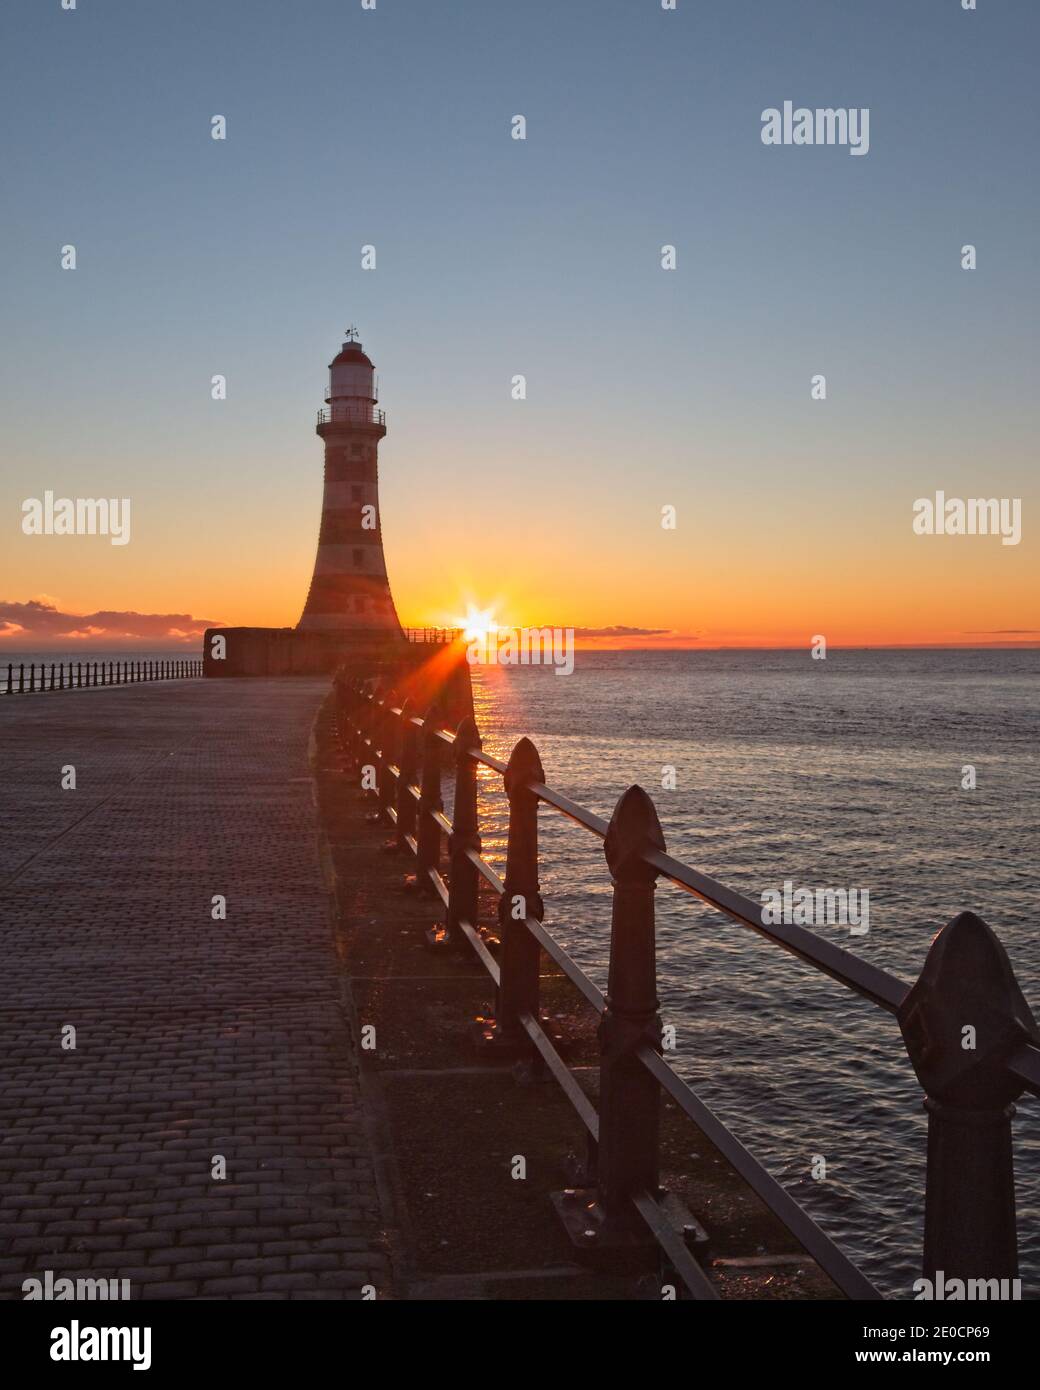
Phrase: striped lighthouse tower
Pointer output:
(350, 592)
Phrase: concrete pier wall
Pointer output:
(424, 672)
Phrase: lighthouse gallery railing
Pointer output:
(966, 983)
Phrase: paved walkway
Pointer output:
(194, 1037)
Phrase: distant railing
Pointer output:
(35, 679)
(351, 415)
(966, 1027)
(441, 636)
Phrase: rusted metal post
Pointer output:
(961, 1021)
(520, 954)
(464, 881)
(630, 1101)
(408, 769)
(428, 832)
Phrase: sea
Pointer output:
(847, 772)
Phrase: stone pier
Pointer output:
(204, 1137)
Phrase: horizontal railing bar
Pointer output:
(412, 843)
(864, 979)
(574, 973)
(673, 1245)
(441, 820)
(562, 1074)
(481, 951)
(569, 808)
(486, 760)
(485, 870)
(439, 886)
(776, 1197)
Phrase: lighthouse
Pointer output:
(350, 591)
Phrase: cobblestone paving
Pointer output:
(194, 1037)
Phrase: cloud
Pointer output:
(42, 618)
(621, 631)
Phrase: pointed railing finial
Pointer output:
(467, 736)
(634, 828)
(965, 1016)
(524, 766)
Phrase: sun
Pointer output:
(478, 624)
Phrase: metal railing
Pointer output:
(33, 679)
(440, 636)
(966, 993)
(351, 415)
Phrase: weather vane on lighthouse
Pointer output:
(352, 332)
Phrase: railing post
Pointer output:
(21, 678)
(428, 832)
(961, 1021)
(408, 768)
(464, 881)
(520, 954)
(630, 1101)
(627, 1154)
